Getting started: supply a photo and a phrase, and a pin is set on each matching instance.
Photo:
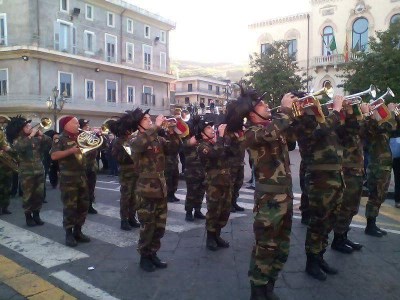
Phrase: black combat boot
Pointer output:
(235, 207)
(313, 267)
(270, 291)
(134, 222)
(258, 292)
(36, 218)
(157, 262)
(5, 211)
(324, 265)
(91, 210)
(79, 236)
(211, 244)
(29, 220)
(339, 244)
(70, 240)
(220, 241)
(372, 229)
(354, 245)
(125, 225)
(198, 214)
(305, 218)
(189, 216)
(146, 264)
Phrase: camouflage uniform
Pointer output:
(236, 164)
(73, 183)
(5, 177)
(194, 177)
(31, 170)
(273, 198)
(218, 183)
(128, 175)
(380, 164)
(151, 188)
(172, 172)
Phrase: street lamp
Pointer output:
(56, 104)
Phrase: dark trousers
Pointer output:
(396, 172)
(182, 160)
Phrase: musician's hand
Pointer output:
(159, 120)
(338, 103)
(287, 100)
(221, 129)
(364, 108)
(74, 150)
(391, 106)
(34, 132)
(192, 141)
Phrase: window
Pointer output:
(147, 97)
(130, 91)
(163, 37)
(65, 84)
(147, 54)
(89, 12)
(129, 55)
(111, 48)
(90, 39)
(163, 61)
(129, 25)
(327, 38)
(187, 100)
(89, 89)
(64, 37)
(395, 18)
(147, 31)
(217, 90)
(210, 87)
(265, 48)
(292, 49)
(360, 34)
(110, 19)
(3, 82)
(64, 5)
(190, 87)
(111, 91)
(3, 29)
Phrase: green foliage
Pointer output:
(380, 65)
(275, 72)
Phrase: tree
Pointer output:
(380, 65)
(275, 72)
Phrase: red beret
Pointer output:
(64, 121)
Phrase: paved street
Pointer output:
(107, 268)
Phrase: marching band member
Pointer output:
(73, 181)
(151, 187)
(6, 174)
(128, 170)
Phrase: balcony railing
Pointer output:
(198, 90)
(332, 60)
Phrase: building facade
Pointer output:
(327, 37)
(192, 91)
(105, 56)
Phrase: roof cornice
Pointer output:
(280, 20)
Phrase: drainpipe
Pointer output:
(308, 50)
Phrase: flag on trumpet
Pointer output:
(381, 114)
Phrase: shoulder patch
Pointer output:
(205, 150)
(56, 141)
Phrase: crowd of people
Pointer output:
(145, 157)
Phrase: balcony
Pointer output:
(332, 60)
(181, 92)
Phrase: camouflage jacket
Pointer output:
(324, 148)
(3, 146)
(351, 138)
(91, 160)
(235, 142)
(192, 159)
(30, 153)
(72, 165)
(171, 159)
(125, 160)
(303, 128)
(151, 150)
(268, 150)
(214, 157)
(377, 137)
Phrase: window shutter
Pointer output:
(56, 36)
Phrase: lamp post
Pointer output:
(56, 104)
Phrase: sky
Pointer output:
(215, 30)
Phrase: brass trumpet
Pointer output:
(44, 123)
(354, 98)
(375, 104)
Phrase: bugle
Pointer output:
(44, 123)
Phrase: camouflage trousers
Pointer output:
(304, 203)
(75, 199)
(195, 187)
(172, 178)
(272, 226)
(325, 190)
(350, 202)
(33, 192)
(91, 181)
(152, 215)
(237, 177)
(218, 206)
(128, 202)
(5, 187)
(378, 181)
